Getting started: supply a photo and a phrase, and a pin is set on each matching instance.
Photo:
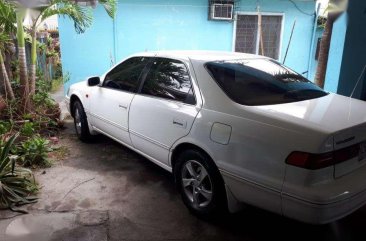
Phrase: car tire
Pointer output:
(200, 184)
(81, 122)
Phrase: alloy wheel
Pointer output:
(77, 121)
(196, 184)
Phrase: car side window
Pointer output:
(126, 75)
(169, 79)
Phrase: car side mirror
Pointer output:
(93, 81)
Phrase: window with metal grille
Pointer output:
(253, 38)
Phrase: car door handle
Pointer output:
(123, 106)
(181, 123)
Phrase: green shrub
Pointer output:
(34, 152)
(56, 84)
(5, 127)
(58, 71)
(43, 99)
(27, 129)
(42, 85)
(16, 184)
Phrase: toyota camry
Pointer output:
(233, 129)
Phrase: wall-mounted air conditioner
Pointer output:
(222, 11)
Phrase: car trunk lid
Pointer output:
(339, 117)
(329, 114)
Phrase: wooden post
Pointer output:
(261, 44)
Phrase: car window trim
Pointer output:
(148, 68)
(144, 74)
(165, 99)
(150, 58)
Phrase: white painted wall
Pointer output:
(51, 23)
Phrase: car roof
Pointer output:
(200, 55)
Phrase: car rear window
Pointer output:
(262, 82)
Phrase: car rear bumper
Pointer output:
(319, 204)
(317, 213)
(325, 201)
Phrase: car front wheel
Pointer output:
(81, 122)
(200, 183)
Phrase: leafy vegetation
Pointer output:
(27, 129)
(12, 15)
(17, 185)
(34, 152)
(26, 107)
(5, 127)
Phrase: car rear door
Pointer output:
(164, 109)
(110, 103)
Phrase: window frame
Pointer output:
(146, 71)
(263, 14)
(150, 58)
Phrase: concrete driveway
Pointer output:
(104, 191)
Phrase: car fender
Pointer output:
(82, 91)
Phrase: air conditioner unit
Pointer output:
(222, 11)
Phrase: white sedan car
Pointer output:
(233, 128)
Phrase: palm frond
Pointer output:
(7, 17)
(4, 152)
(4, 39)
(81, 16)
(110, 7)
(16, 184)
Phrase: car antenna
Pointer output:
(289, 42)
(362, 73)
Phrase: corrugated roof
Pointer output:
(87, 2)
(40, 3)
(30, 3)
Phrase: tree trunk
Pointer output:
(2, 85)
(9, 93)
(7, 61)
(32, 71)
(23, 71)
(324, 50)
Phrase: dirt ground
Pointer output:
(104, 191)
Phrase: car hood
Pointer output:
(330, 113)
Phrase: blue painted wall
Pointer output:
(145, 25)
(336, 54)
(86, 54)
(354, 53)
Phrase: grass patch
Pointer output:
(59, 153)
(56, 84)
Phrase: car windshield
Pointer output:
(262, 82)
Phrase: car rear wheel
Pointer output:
(81, 122)
(200, 183)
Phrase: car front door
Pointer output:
(110, 103)
(164, 109)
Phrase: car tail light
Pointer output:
(317, 161)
